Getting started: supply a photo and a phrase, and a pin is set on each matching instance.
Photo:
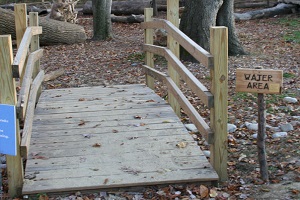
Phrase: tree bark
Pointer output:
(128, 19)
(261, 144)
(54, 32)
(225, 17)
(199, 16)
(196, 22)
(268, 12)
(101, 19)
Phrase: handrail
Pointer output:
(26, 136)
(20, 59)
(201, 91)
(25, 86)
(188, 44)
(194, 116)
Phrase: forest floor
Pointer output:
(272, 43)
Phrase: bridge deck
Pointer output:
(109, 137)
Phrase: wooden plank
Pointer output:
(149, 40)
(195, 85)
(219, 116)
(25, 141)
(20, 11)
(128, 155)
(126, 129)
(26, 82)
(35, 42)
(173, 45)
(8, 96)
(194, 116)
(113, 181)
(190, 46)
(259, 81)
(19, 61)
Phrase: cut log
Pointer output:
(296, 2)
(54, 32)
(268, 12)
(121, 7)
(54, 74)
(127, 19)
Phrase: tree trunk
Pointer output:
(199, 16)
(268, 12)
(101, 19)
(54, 32)
(225, 17)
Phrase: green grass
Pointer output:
(292, 33)
(288, 75)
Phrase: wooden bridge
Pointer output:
(117, 136)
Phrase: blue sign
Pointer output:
(8, 140)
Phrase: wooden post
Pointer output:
(173, 45)
(8, 96)
(20, 21)
(154, 6)
(218, 118)
(261, 145)
(149, 40)
(35, 43)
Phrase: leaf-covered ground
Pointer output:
(272, 44)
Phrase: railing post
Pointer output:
(218, 119)
(149, 40)
(20, 21)
(173, 45)
(35, 43)
(8, 96)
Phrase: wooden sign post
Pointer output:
(262, 82)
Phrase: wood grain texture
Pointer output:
(173, 45)
(219, 116)
(149, 40)
(8, 96)
(78, 148)
(20, 11)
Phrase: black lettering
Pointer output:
(260, 86)
(264, 78)
(258, 77)
(266, 86)
(247, 76)
(253, 77)
(254, 86)
(269, 77)
(249, 85)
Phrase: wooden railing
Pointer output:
(24, 66)
(215, 100)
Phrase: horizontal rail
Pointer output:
(194, 116)
(188, 44)
(19, 61)
(26, 136)
(196, 86)
(26, 82)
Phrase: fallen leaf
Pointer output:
(203, 191)
(81, 123)
(137, 117)
(82, 99)
(213, 193)
(97, 145)
(115, 131)
(151, 100)
(105, 181)
(294, 191)
(181, 144)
